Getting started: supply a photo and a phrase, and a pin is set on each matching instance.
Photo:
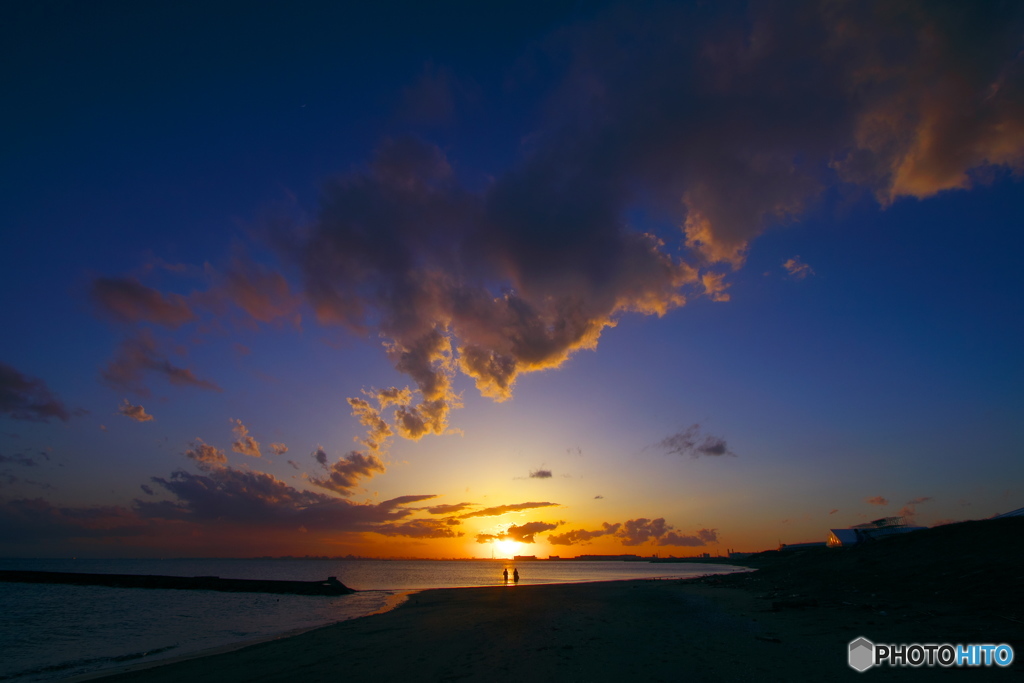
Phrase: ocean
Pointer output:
(52, 632)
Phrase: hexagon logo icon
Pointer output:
(862, 654)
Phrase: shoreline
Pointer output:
(792, 619)
(394, 601)
(700, 629)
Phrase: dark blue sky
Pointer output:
(446, 246)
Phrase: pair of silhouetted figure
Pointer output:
(515, 575)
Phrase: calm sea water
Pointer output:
(50, 632)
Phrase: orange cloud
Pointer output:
(137, 413)
(206, 456)
(797, 269)
(244, 443)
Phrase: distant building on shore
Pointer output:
(871, 531)
(524, 558)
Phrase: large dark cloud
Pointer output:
(223, 497)
(418, 528)
(32, 520)
(723, 120)
(746, 114)
(643, 530)
(702, 537)
(28, 398)
(258, 499)
(639, 531)
(524, 533)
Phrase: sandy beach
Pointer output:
(789, 621)
(655, 630)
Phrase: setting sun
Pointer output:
(506, 548)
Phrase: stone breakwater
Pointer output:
(329, 587)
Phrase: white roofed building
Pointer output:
(879, 528)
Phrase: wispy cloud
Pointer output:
(28, 398)
(344, 474)
(876, 500)
(137, 413)
(797, 269)
(449, 509)
(503, 509)
(378, 430)
(139, 354)
(540, 474)
(694, 444)
(128, 300)
(18, 459)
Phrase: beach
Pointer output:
(599, 631)
(791, 620)
(655, 630)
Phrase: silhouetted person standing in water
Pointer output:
(504, 574)
(515, 576)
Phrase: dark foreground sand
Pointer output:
(789, 621)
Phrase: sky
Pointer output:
(451, 280)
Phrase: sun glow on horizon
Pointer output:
(506, 548)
